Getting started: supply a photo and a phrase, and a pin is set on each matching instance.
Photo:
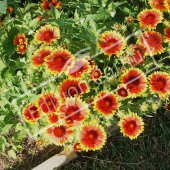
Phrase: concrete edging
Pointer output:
(63, 158)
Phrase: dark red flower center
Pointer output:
(72, 113)
(149, 19)
(91, 136)
(152, 41)
(48, 35)
(59, 132)
(130, 126)
(111, 43)
(133, 81)
(160, 83)
(72, 91)
(107, 102)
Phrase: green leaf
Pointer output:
(113, 5)
(93, 25)
(2, 65)
(55, 12)
(33, 23)
(2, 144)
(94, 2)
(12, 154)
(76, 16)
(23, 86)
(19, 136)
(5, 129)
(3, 5)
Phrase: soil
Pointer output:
(31, 156)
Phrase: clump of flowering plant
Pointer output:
(84, 70)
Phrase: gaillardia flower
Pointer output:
(38, 58)
(167, 5)
(168, 106)
(40, 142)
(21, 48)
(112, 42)
(95, 73)
(31, 113)
(167, 35)
(60, 134)
(46, 4)
(158, 4)
(151, 43)
(58, 61)
(73, 88)
(149, 18)
(122, 91)
(20, 39)
(106, 103)
(77, 147)
(159, 82)
(48, 103)
(47, 34)
(78, 69)
(9, 9)
(73, 111)
(129, 19)
(135, 81)
(131, 125)
(92, 137)
(137, 57)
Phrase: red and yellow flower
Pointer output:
(151, 43)
(167, 5)
(72, 88)
(167, 35)
(106, 103)
(77, 147)
(53, 118)
(129, 19)
(21, 48)
(135, 81)
(112, 42)
(131, 125)
(40, 142)
(159, 82)
(95, 73)
(137, 57)
(31, 113)
(158, 4)
(60, 134)
(47, 34)
(46, 4)
(92, 137)
(20, 39)
(149, 18)
(48, 103)
(58, 61)
(122, 91)
(74, 111)
(78, 69)
(38, 58)
(168, 106)
(9, 9)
